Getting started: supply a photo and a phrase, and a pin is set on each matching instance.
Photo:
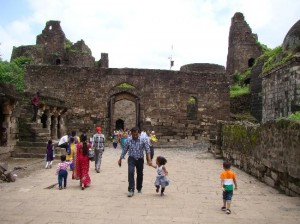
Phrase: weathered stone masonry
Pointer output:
(281, 90)
(270, 152)
(160, 97)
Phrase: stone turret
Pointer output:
(292, 39)
(104, 60)
(52, 41)
(243, 48)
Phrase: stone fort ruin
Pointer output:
(79, 93)
(179, 105)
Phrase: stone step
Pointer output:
(32, 144)
(17, 154)
(35, 150)
(27, 155)
(31, 133)
(34, 138)
(35, 128)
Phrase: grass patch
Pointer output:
(236, 90)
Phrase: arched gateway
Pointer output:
(123, 111)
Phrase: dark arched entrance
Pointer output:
(119, 124)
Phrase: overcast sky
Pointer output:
(141, 33)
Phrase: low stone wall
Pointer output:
(270, 152)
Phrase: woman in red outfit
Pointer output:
(83, 162)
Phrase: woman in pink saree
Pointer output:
(83, 163)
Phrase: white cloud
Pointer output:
(139, 34)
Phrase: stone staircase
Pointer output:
(32, 137)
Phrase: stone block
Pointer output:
(261, 168)
(269, 181)
(274, 175)
(267, 163)
(294, 171)
(294, 188)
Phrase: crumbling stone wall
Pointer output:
(256, 90)
(281, 90)
(8, 119)
(161, 98)
(53, 48)
(270, 152)
(242, 46)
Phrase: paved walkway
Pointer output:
(194, 196)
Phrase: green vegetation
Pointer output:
(237, 90)
(238, 76)
(241, 137)
(263, 46)
(272, 57)
(68, 44)
(125, 86)
(192, 100)
(276, 57)
(295, 116)
(13, 72)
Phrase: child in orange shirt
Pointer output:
(228, 178)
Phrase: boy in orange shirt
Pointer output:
(228, 178)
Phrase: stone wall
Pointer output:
(160, 97)
(53, 48)
(281, 90)
(256, 90)
(270, 152)
(242, 46)
(9, 113)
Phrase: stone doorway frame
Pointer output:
(123, 96)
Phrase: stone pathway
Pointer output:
(194, 196)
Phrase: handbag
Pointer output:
(91, 154)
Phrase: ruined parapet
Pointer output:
(203, 68)
(53, 48)
(80, 55)
(104, 61)
(31, 51)
(243, 48)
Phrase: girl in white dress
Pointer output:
(161, 179)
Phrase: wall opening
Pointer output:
(119, 124)
(123, 111)
(44, 118)
(3, 133)
(58, 61)
(251, 62)
(192, 108)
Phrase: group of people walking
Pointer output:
(133, 142)
(77, 157)
(135, 145)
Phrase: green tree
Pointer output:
(13, 72)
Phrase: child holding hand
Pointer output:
(161, 179)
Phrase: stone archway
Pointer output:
(124, 111)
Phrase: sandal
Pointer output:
(228, 211)
(223, 208)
